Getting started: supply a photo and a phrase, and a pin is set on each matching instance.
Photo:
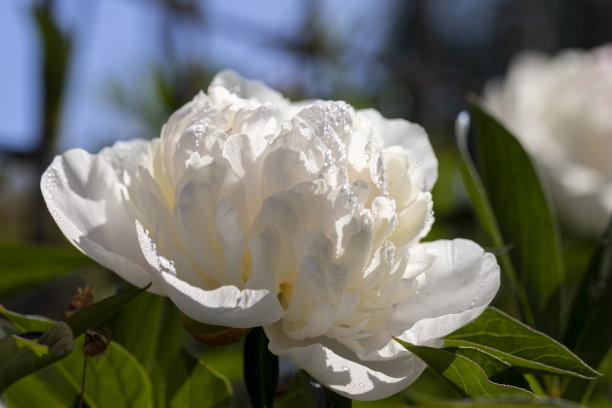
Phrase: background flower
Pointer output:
(560, 108)
(304, 218)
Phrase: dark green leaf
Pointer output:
(90, 316)
(26, 265)
(116, 380)
(204, 387)
(519, 345)
(335, 400)
(589, 332)
(137, 327)
(510, 288)
(298, 395)
(27, 323)
(495, 369)
(168, 343)
(20, 357)
(430, 387)
(467, 377)
(600, 393)
(170, 335)
(505, 403)
(520, 206)
(179, 369)
(260, 369)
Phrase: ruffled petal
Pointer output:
(89, 203)
(410, 136)
(338, 368)
(225, 306)
(247, 89)
(456, 288)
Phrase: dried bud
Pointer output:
(97, 343)
(83, 298)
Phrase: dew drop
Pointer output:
(361, 384)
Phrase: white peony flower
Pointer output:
(561, 110)
(304, 218)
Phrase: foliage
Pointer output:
(146, 361)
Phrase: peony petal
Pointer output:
(224, 306)
(248, 89)
(410, 136)
(457, 287)
(338, 368)
(579, 190)
(88, 202)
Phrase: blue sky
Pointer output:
(117, 40)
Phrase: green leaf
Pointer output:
(505, 403)
(204, 387)
(298, 395)
(168, 341)
(599, 394)
(335, 400)
(137, 327)
(430, 387)
(27, 323)
(589, 332)
(260, 369)
(510, 288)
(517, 344)
(45, 388)
(90, 316)
(24, 266)
(520, 205)
(170, 335)
(114, 381)
(190, 380)
(495, 369)
(467, 377)
(20, 356)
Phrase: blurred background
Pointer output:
(87, 73)
(84, 74)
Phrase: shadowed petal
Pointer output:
(87, 201)
(224, 306)
(457, 287)
(399, 132)
(338, 368)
